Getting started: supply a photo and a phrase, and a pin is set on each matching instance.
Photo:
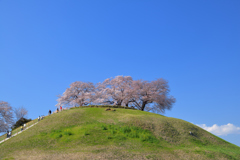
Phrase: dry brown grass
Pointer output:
(109, 155)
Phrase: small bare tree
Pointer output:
(20, 112)
(6, 116)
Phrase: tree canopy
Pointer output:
(20, 122)
(121, 90)
(6, 116)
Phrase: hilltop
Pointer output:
(93, 133)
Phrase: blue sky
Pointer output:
(195, 45)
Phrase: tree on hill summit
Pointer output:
(121, 91)
(79, 93)
(114, 91)
(151, 95)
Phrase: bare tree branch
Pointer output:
(20, 112)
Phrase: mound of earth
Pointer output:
(93, 133)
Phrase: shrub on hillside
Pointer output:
(20, 122)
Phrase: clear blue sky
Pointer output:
(195, 45)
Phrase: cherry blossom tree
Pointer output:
(121, 90)
(101, 96)
(79, 93)
(6, 116)
(114, 90)
(151, 95)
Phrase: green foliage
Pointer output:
(210, 155)
(86, 133)
(11, 158)
(119, 132)
(59, 133)
(67, 132)
(20, 122)
(103, 127)
(122, 132)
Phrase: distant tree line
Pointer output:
(122, 91)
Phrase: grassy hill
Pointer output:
(93, 133)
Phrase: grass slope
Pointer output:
(93, 133)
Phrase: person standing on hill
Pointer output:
(49, 113)
(38, 118)
(21, 128)
(57, 110)
(60, 108)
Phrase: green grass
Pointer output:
(3, 137)
(92, 132)
(18, 129)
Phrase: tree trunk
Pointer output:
(119, 103)
(143, 106)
